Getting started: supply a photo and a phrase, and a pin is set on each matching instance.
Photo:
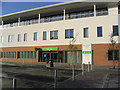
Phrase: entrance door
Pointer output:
(45, 57)
(54, 56)
(49, 56)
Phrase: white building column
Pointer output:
(94, 10)
(19, 21)
(2, 24)
(38, 18)
(64, 14)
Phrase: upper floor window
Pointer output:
(10, 38)
(103, 11)
(44, 35)
(35, 36)
(25, 37)
(1, 39)
(115, 30)
(54, 34)
(19, 37)
(119, 9)
(69, 33)
(85, 32)
(99, 31)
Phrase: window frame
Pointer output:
(84, 32)
(117, 30)
(35, 36)
(25, 39)
(19, 37)
(10, 38)
(98, 35)
(109, 59)
(53, 34)
(69, 33)
(2, 39)
(44, 33)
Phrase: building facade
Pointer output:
(70, 32)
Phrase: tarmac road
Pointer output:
(31, 76)
(38, 76)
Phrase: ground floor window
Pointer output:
(113, 52)
(62, 56)
(27, 55)
(7, 54)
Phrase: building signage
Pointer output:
(36, 48)
(48, 49)
(86, 52)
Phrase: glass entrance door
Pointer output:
(54, 57)
(46, 56)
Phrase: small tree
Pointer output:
(71, 42)
(113, 47)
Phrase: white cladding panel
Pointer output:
(106, 21)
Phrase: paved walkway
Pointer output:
(99, 77)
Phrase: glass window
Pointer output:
(102, 11)
(69, 33)
(99, 31)
(51, 35)
(18, 54)
(25, 37)
(1, 39)
(19, 37)
(35, 36)
(82, 14)
(78, 15)
(119, 9)
(115, 30)
(44, 35)
(99, 12)
(66, 33)
(10, 38)
(111, 53)
(105, 11)
(87, 13)
(116, 55)
(91, 13)
(85, 32)
(54, 34)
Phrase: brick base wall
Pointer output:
(100, 53)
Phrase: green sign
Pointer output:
(86, 52)
(36, 48)
(48, 49)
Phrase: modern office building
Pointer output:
(70, 32)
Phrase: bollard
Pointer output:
(73, 72)
(14, 84)
(88, 66)
(83, 68)
(55, 79)
(91, 66)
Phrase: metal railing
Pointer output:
(57, 18)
